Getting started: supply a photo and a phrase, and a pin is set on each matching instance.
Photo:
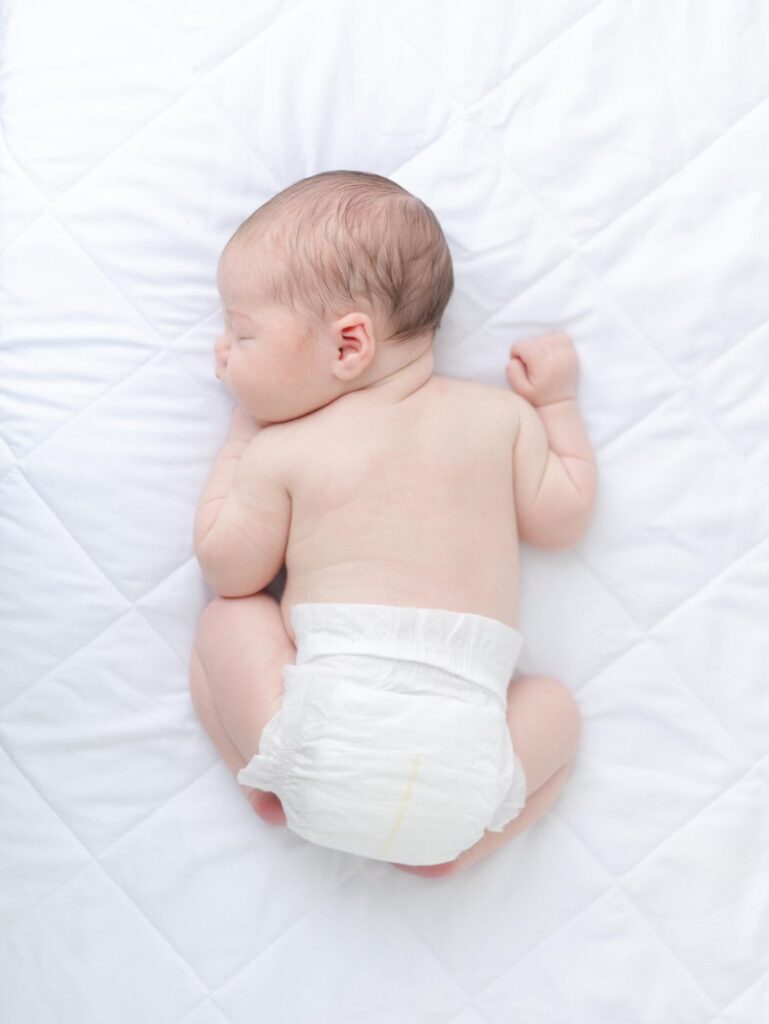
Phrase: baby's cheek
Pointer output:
(267, 392)
(276, 390)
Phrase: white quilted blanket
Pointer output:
(598, 166)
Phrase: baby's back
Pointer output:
(409, 503)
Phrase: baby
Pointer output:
(371, 708)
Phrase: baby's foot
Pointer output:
(429, 870)
(267, 806)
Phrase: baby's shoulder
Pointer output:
(485, 398)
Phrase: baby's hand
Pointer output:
(545, 369)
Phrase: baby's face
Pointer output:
(273, 365)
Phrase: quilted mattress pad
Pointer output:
(600, 167)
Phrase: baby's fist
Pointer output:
(545, 369)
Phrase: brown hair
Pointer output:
(345, 239)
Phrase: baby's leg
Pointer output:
(545, 724)
(236, 681)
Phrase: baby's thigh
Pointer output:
(545, 726)
(244, 646)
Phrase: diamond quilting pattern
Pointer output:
(75, 293)
(597, 167)
(611, 87)
(145, 478)
(91, 76)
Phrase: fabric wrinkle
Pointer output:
(392, 740)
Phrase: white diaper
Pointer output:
(392, 741)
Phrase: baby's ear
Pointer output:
(354, 345)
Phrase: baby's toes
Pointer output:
(268, 807)
(429, 870)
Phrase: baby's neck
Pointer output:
(398, 374)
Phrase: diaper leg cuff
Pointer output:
(513, 802)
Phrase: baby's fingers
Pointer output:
(519, 378)
(527, 349)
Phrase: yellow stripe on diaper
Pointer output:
(405, 801)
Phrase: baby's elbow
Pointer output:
(578, 524)
(218, 576)
(572, 537)
(229, 590)
(559, 540)
(205, 569)
(232, 581)
(578, 512)
(561, 528)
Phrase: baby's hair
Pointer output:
(340, 240)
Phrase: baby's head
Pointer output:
(331, 284)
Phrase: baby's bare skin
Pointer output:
(406, 493)
(404, 502)
(409, 489)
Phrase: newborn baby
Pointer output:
(371, 708)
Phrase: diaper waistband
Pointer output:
(475, 647)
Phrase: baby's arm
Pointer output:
(554, 466)
(222, 475)
(242, 519)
